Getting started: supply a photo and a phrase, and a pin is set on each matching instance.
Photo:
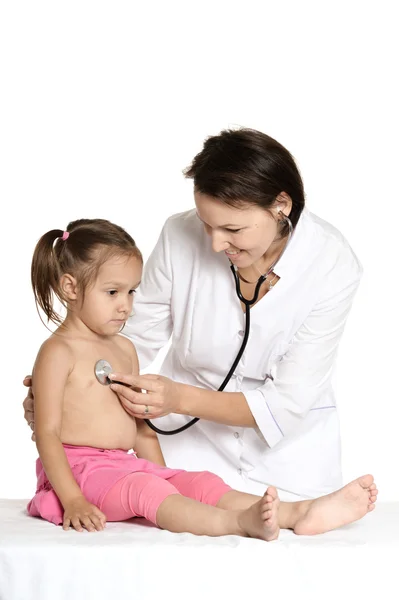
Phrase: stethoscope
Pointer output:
(102, 368)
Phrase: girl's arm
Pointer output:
(147, 444)
(52, 368)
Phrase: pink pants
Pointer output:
(122, 485)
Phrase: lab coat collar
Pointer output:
(288, 261)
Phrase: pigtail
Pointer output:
(46, 273)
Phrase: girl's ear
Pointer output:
(69, 287)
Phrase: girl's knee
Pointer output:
(136, 495)
(204, 486)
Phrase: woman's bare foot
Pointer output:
(261, 519)
(347, 505)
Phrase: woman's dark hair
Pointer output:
(80, 251)
(247, 166)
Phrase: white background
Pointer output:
(104, 103)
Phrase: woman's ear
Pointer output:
(69, 287)
(283, 204)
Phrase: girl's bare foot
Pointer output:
(344, 506)
(261, 520)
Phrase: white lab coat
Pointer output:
(188, 292)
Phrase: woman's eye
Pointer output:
(233, 230)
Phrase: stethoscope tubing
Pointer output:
(221, 388)
(247, 303)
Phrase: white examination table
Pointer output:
(136, 561)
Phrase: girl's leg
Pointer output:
(156, 499)
(306, 517)
(143, 494)
(209, 488)
(136, 495)
(205, 487)
(180, 514)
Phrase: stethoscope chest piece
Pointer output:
(102, 369)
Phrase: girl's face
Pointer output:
(108, 302)
(244, 234)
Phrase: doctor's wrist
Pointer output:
(186, 399)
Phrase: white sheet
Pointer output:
(134, 560)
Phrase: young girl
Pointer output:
(86, 474)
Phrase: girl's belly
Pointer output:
(105, 426)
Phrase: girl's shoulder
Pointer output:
(55, 352)
(56, 343)
(125, 343)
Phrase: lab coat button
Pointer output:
(241, 332)
(236, 435)
(239, 471)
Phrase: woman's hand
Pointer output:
(79, 514)
(28, 405)
(162, 397)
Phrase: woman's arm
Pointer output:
(229, 408)
(302, 380)
(277, 407)
(165, 396)
(29, 414)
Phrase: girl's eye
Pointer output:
(131, 292)
(112, 292)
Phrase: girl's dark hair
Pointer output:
(89, 244)
(247, 166)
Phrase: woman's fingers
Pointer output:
(28, 404)
(124, 392)
(139, 411)
(133, 402)
(30, 418)
(136, 398)
(27, 381)
(159, 394)
(145, 411)
(150, 383)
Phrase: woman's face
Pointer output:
(244, 234)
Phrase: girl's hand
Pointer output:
(162, 395)
(79, 514)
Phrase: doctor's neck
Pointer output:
(260, 266)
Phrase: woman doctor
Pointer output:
(276, 421)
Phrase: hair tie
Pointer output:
(65, 236)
